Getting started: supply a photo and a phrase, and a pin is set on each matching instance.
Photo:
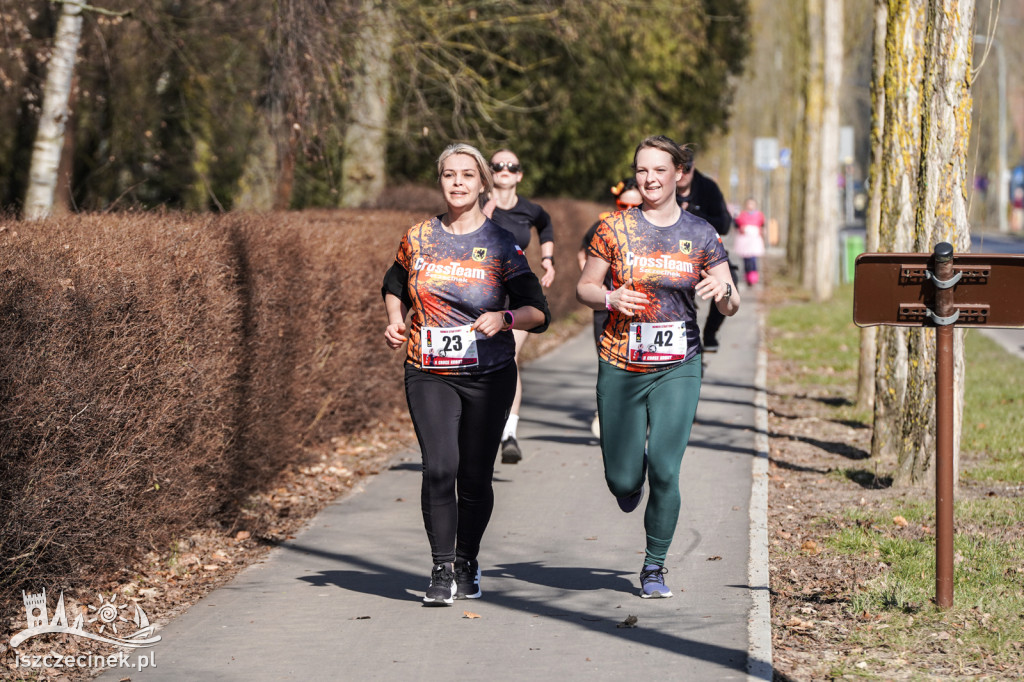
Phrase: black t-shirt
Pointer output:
(520, 218)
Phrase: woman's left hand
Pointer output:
(549, 273)
(490, 324)
(710, 286)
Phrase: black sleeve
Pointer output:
(396, 281)
(589, 236)
(717, 213)
(526, 290)
(545, 230)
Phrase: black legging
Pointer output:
(458, 422)
(715, 317)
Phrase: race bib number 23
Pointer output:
(449, 346)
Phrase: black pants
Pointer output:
(715, 316)
(458, 424)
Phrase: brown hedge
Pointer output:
(157, 368)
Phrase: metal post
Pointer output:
(944, 308)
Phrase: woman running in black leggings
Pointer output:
(468, 285)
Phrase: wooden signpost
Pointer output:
(943, 290)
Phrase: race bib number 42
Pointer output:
(449, 346)
(656, 343)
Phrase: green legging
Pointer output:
(657, 408)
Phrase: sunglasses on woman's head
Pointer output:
(498, 166)
(623, 205)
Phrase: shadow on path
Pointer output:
(384, 581)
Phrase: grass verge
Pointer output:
(890, 621)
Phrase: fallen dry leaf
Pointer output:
(714, 558)
(900, 521)
(470, 614)
(630, 622)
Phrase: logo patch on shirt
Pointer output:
(686, 246)
(479, 253)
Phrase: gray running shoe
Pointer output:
(510, 452)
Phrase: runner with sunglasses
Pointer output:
(518, 216)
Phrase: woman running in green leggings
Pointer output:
(649, 372)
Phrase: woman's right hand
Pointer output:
(627, 301)
(394, 335)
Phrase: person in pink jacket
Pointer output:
(749, 241)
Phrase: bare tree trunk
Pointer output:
(363, 167)
(46, 151)
(869, 335)
(813, 118)
(795, 232)
(923, 176)
(826, 242)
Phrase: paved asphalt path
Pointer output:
(560, 562)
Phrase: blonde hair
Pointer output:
(468, 150)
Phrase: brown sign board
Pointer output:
(895, 289)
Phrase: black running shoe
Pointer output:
(442, 586)
(510, 452)
(467, 579)
(711, 346)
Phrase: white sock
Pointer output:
(510, 427)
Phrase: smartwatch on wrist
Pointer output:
(508, 318)
(728, 291)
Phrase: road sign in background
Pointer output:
(846, 154)
(766, 153)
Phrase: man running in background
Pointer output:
(698, 194)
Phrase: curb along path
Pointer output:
(560, 562)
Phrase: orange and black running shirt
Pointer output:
(453, 279)
(664, 263)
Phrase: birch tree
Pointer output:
(49, 142)
(921, 176)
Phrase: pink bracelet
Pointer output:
(608, 301)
